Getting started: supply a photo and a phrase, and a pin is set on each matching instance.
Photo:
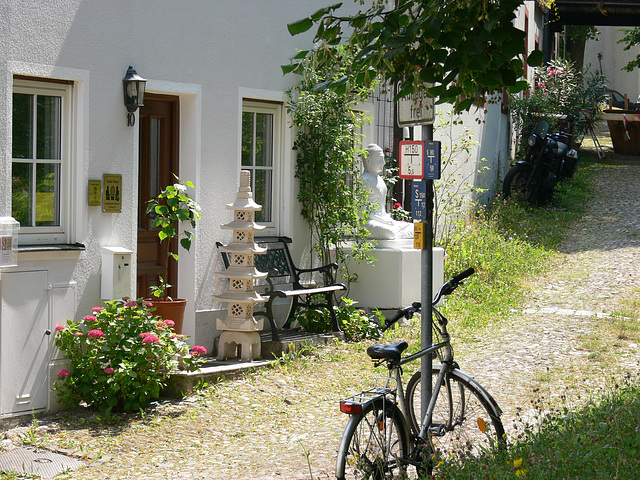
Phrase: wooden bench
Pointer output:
(306, 283)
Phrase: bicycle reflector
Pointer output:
(350, 408)
(481, 425)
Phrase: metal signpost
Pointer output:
(420, 161)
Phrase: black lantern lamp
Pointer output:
(134, 86)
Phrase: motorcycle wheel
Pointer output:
(514, 185)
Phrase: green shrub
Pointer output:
(120, 356)
(356, 323)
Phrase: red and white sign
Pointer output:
(411, 160)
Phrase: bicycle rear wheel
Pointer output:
(372, 443)
(464, 421)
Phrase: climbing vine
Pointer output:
(328, 146)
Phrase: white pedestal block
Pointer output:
(393, 280)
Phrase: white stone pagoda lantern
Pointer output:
(240, 335)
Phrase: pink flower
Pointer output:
(59, 327)
(95, 334)
(169, 323)
(78, 334)
(97, 309)
(150, 339)
(160, 329)
(198, 350)
(147, 304)
(89, 318)
(63, 373)
(108, 370)
(131, 303)
(144, 334)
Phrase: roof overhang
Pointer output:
(624, 13)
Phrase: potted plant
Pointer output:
(173, 206)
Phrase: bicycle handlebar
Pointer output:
(446, 289)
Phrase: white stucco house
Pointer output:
(213, 72)
(214, 87)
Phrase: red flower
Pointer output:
(131, 303)
(198, 350)
(108, 370)
(63, 373)
(95, 334)
(397, 205)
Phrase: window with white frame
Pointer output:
(261, 129)
(40, 153)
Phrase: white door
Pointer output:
(24, 342)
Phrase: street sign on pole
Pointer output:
(432, 160)
(419, 200)
(415, 109)
(411, 159)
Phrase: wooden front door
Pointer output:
(158, 161)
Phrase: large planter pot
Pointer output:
(171, 310)
(624, 127)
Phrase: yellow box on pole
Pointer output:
(419, 236)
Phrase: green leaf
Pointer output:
(300, 26)
(519, 86)
(323, 11)
(535, 58)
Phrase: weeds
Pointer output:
(600, 440)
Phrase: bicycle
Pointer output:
(384, 439)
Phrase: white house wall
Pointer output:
(211, 55)
(614, 58)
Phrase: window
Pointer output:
(260, 150)
(40, 153)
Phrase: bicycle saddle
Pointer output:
(387, 352)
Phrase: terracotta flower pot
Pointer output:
(171, 310)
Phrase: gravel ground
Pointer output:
(283, 423)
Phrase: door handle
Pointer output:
(47, 332)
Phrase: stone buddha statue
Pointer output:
(380, 224)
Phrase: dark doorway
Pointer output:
(158, 161)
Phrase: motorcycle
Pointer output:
(548, 160)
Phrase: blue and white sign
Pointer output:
(432, 160)
(419, 200)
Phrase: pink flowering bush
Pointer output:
(121, 356)
(559, 89)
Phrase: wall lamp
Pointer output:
(134, 86)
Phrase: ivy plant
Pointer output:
(327, 144)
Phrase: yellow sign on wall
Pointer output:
(95, 189)
(112, 193)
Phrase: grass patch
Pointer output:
(600, 440)
(508, 242)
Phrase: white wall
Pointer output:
(614, 58)
(210, 54)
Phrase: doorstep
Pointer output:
(213, 370)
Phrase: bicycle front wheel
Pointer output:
(464, 421)
(373, 444)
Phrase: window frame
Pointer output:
(275, 109)
(54, 234)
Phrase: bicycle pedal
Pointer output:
(437, 430)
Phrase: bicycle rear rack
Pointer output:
(357, 403)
